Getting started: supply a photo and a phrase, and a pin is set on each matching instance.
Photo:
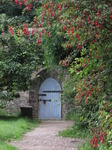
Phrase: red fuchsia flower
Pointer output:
(84, 64)
(95, 145)
(98, 13)
(49, 24)
(86, 101)
(90, 94)
(26, 8)
(94, 23)
(10, 1)
(42, 20)
(109, 109)
(82, 95)
(32, 31)
(39, 24)
(97, 51)
(99, 26)
(46, 6)
(40, 35)
(54, 14)
(19, 3)
(88, 20)
(74, 18)
(16, 1)
(64, 28)
(83, 14)
(83, 81)
(53, 4)
(27, 31)
(11, 31)
(57, 6)
(39, 41)
(43, 31)
(29, 8)
(43, 13)
(110, 16)
(91, 143)
(60, 7)
(67, 46)
(72, 30)
(103, 140)
(66, 64)
(19, 32)
(100, 139)
(68, 26)
(76, 35)
(24, 29)
(75, 104)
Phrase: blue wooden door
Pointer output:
(50, 100)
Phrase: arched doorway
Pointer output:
(50, 99)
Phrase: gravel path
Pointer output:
(45, 137)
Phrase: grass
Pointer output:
(12, 128)
(86, 146)
(5, 146)
(77, 131)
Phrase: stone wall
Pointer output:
(13, 107)
(31, 97)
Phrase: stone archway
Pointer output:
(34, 91)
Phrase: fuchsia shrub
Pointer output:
(86, 27)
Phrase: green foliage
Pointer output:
(3, 112)
(19, 56)
(75, 132)
(69, 94)
(53, 50)
(86, 146)
(3, 23)
(5, 146)
(86, 26)
(17, 65)
(16, 127)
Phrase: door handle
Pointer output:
(45, 100)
